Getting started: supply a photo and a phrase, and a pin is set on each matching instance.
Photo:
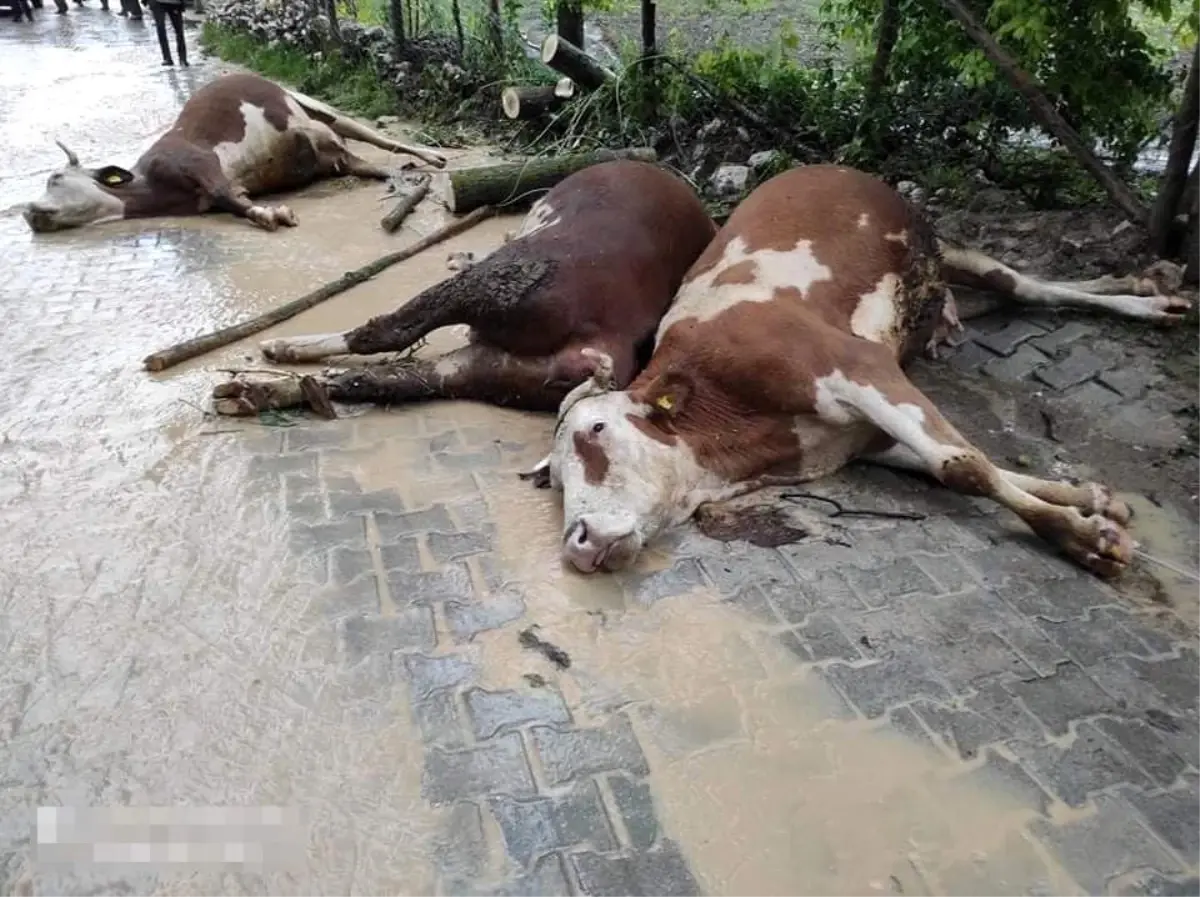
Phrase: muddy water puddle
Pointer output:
(759, 771)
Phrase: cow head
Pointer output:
(76, 196)
(625, 474)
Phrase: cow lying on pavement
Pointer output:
(238, 137)
(780, 361)
(595, 265)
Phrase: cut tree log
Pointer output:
(530, 102)
(181, 352)
(511, 183)
(1043, 110)
(567, 59)
(409, 198)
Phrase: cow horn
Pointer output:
(72, 159)
(602, 380)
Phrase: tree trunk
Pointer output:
(530, 102)
(567, 59)
(396, 10)
(496, 26)
(1189, 206)
(1179, 157)
(1043, 110)
(456, 14)
(649, 57)
(885, 42)
(569, 15)
(331, 12)
(514, 183)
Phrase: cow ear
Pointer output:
(668, 396)
(113, 176)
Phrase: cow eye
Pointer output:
(598, 427)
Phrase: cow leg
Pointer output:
(361, 168)
(230, 199)
(1091, 498)
(477, 294)
(893, 404)
(478, 371)
(967, 267)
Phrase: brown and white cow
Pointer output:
(238, 137)
(593, 268)
(781, 361)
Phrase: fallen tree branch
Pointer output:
(1043, 110)
(409, 200)
(181, 352)
(785, 137)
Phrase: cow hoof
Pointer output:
(1104, 504)
(1099, 544)
(285, 216)
(243, 397)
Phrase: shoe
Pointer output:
(168, 62)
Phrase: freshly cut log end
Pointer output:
(567, 59)
(513, 182)
(530, 102)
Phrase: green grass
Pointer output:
(352, 88)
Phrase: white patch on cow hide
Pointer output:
(541, 215)
(864, 221)
(900, 236)
(839, 400)
(874, 316)
(257, 145)
(701, 299)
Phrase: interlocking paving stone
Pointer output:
(1098, 848)
(497, 767)
(568, 754)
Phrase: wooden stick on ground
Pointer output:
(409, 200)
(181, 352)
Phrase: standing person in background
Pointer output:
(22, 8)
(131, 8)
(162, 10)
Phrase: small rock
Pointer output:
(385, 120)
(765, 159)
(730, 180)
(911, 191)
(711, 128)
(1122, 227)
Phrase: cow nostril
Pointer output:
(581, 533)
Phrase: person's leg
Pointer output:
(61, 7)
(135, 9)
(176, 14)
(160, 28)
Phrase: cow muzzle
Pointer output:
(592, 544)
(42, 221)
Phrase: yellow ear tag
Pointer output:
(665, 403)
(113, 179)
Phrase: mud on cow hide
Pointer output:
(238, 137)
(592, 269)
(781, 360)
